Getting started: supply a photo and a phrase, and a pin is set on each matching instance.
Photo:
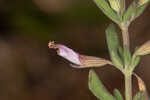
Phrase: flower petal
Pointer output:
(66, 53)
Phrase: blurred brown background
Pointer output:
(31, 71)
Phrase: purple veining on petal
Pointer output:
(68, 54)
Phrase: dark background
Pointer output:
(31, 71)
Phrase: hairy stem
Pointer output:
(127, 74)
(125, 36)
(128, 87)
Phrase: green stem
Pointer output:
(128, 87)
(128, 71)
(125, 36)
(127, 74)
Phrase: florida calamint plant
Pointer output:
(121, 57)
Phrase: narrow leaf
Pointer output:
(127, 57)
(97, 88)
(121, 53)
(118, 95)
(140, 96)
(141, 9)
(116, 60)
(134, 61)
(104, 6)
(142, 2)
(144, 49)
(129, 14)
(112, 38)
(135, 9)
(115, 5)
(113, 45)
(122, 3)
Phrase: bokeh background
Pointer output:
(31, 71)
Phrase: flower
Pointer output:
(78, 60)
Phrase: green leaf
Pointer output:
(97, 88)
(116, 60)
(115, 5)
(129, 14)
(140, 96)
(113, 45)
(144, 49)
(134, 11)
(118, 95)
(122, 3)
(107, 10)
(140, 10)
(121, 53)
(112, 38)
(134, 61)
(127, 56)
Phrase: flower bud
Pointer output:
(140, 83)
(79, 61)
(115, 5)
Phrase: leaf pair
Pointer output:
(122, 58)
(99, 90)
(116, 9)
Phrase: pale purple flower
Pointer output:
(78, 60)
(68, 54)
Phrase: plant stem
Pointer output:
(128, 87)
(125, 36)
(127, 74)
